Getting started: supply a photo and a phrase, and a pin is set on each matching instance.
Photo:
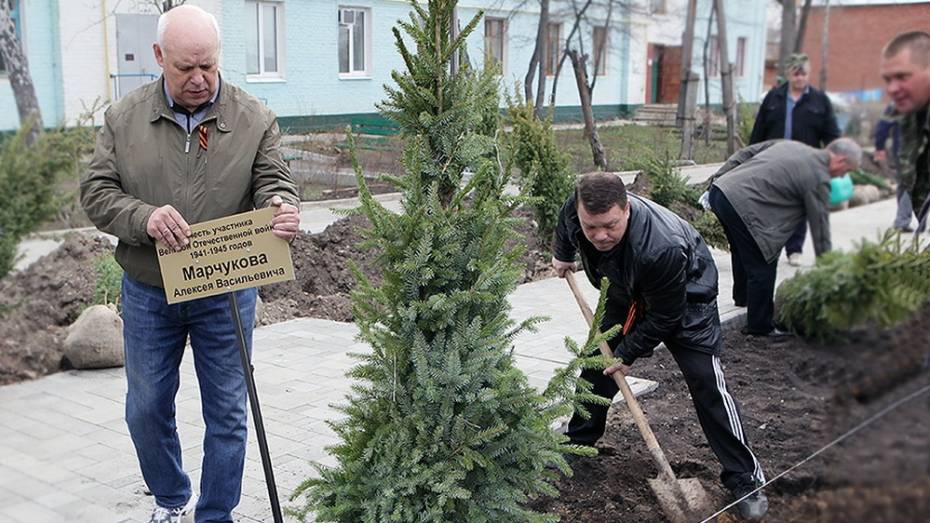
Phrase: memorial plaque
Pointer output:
(229, 254)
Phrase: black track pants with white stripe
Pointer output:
(716, 410)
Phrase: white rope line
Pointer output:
(848, 433)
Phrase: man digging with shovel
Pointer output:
(663, 288)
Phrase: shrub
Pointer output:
(709, 227)
(27, 183)
(667, 185)
(545, 174)
(746, 118)
(109, 281)
(876, 285)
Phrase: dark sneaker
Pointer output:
(173, 515)
(754, 506)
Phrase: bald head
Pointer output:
(188, 50)
(186, 21)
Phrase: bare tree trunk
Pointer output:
(687, 128)
(710, 24)
(27, 103)
(802, 26)
(537, 58)
(584, 92)
(568, 39)
(543, 58)
(824, 45)
(726, 77)
(788, 28)
(687, 45)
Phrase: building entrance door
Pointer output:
(136, 65)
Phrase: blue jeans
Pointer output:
(154, 335)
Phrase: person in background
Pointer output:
(905, 67)
(888, 127)
(796, 111)
(760, 196)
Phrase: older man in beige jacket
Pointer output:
(186, 148)
(761, 195)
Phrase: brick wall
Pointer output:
(857, 35)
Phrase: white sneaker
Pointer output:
(173, 515)
(794, 259)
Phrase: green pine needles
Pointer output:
(877, 285)
(440, 425)
(545, 174)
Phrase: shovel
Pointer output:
(681, 499)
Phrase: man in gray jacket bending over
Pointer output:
(761, 195)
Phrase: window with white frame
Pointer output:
(17, 25)
(740, 56)
(495, 36)
(354, 41)
(553, 47)
(264, 39)
(599, 41)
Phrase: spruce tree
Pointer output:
(440, 425)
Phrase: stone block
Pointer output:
(95, 339)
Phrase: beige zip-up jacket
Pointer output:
(143, 160)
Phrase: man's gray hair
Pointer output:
(163, 24)
(847, 148)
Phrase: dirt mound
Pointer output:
(323, 275)
(794, 397)
(36, 306)
(324, 278)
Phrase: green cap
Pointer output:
(795, 60)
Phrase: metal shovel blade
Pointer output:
(698, 501)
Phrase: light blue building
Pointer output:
(323, 63)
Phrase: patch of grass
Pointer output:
(109, 281)
(626, 144)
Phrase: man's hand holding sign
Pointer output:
(166, 225)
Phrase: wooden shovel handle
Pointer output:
(638, 416)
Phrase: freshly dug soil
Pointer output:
(38, 304)
(324, 279)
(795, 397)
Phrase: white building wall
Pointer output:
(88, 48)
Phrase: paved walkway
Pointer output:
(67, 454)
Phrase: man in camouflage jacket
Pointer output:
(905, 67)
